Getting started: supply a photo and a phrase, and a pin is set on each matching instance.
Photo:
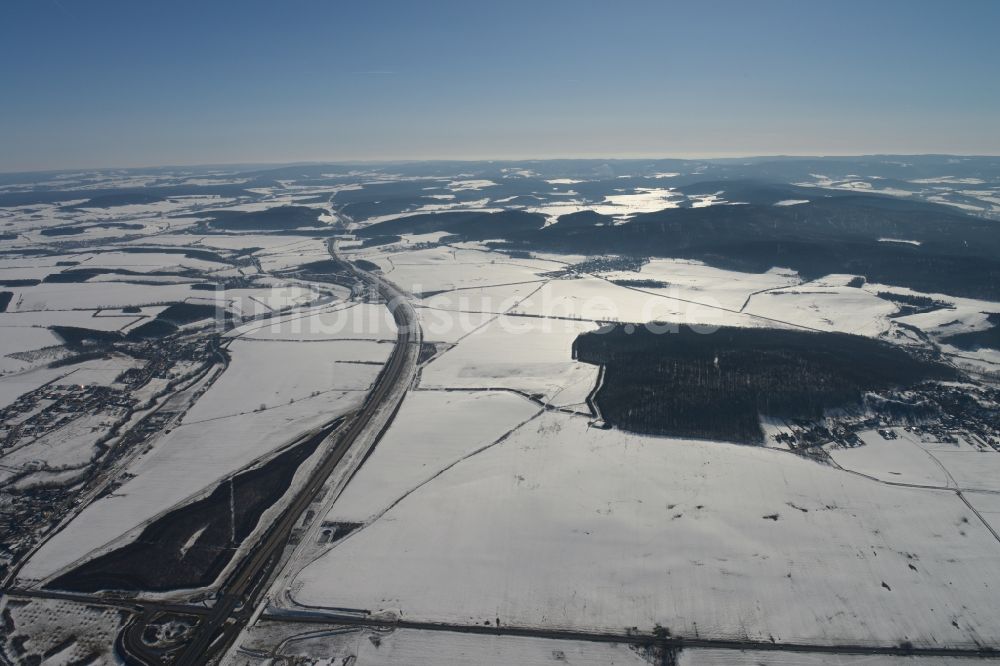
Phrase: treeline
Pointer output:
(912, 303)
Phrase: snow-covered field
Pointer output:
(406, 647)
(459, 423)
(826, 305)
(445, 268)
(900, 460)
(59, 632)
(527, 354)
(360, 321)
(275, 373)
(611, 530)
(694, 280)
(594, 299)
(75, 296)
(494, 496)
(16, 341)
(272, 392)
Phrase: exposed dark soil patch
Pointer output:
(190, 546)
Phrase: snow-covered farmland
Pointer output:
(445, 268)
(273, 373)
(271, 394)
(825, 306)
(144, 262)
(528, 354)
(352, 321)
(899, 460)
(594, 299)
(17, 343)
(74, 296)
(972, 470)
(459, 423)
(694, 281)
(495, 300)
(58, 631)
(610, 530)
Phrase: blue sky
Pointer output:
(152, 82)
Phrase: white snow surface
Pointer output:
(899, 460)
(565, 526)
(458, 422)
(360, 321)
(524, 353)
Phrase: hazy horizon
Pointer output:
(121, 85)
(480, 160)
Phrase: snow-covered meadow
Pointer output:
(562, 525)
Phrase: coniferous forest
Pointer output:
(716, 385)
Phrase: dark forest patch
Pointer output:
(74, 275)
(641, 284)
(75, 230)
(376, 241)
(471, 225)
(279, 217)
(172, 318)
(152, 330)
(185, 313)
(715, 385)
(63, 231)
(366, 265)
(78, 336)
(322, 266)
(5, 298)
(190, 253)
(118, 199)
(957, 255)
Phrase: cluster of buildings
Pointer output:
(31, 505)
(942, 413)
